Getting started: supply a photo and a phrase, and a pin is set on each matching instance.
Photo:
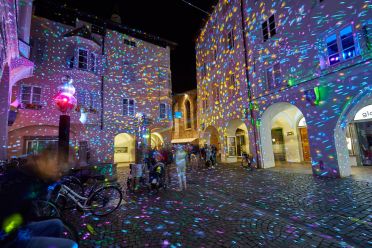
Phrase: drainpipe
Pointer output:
(251, 112)
(103, 77)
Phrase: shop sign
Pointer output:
(364, 113)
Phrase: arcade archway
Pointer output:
(236, 140)
(124, 148)
(284, 138)
(157, 141)
(353, 134)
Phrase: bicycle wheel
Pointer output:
(42, 208)
(105, 200)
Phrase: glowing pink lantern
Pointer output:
(65, 99)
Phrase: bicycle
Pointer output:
(45, 210)
(99, 202)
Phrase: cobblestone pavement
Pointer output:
(231, 207)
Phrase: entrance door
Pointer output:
(278, 144)
(305, 143)
(364, 131)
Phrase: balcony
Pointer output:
(24, 49)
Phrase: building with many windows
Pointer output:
(15, 18)
(118, 73)
(288, 82)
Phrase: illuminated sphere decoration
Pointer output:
(65, 99)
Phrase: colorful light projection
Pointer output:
(295, 57)
(141, 73)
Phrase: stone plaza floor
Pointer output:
(229, 206)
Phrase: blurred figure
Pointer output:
(19, 187)
(180, 159)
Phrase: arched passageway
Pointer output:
(236, 140)
(284, 137)
(157, 140)
(353, 134)
(124, 148)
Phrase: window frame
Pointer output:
(128, 107)
(340, 49)
(276, 81)
(231, 40)
(271, 32)
(30, 101)
(93, 66)
(87, 59)
(160, 111)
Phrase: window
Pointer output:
(93, 62)
(188, 114)
(217, 94)
(230, 40)
(30, 95)
(204, 70)
(232, 81)
(273, 76)
(163, 111)
(71, 62)
(268, 28)
(130, 43)
(36, 145)
(128, 107)
(214, 53)
(341, 42)
(83, 59)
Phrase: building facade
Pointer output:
(117, 77)
(15, 18)
(185, 125)
(307, 77)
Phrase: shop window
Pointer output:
(128, 107)
(341, 46)
(268, 28)
(31, 97)
(163, 111)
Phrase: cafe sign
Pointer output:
(364, 113)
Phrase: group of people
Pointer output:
(179, 155)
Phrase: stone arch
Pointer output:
(157, 140)
(362, 99)
(124, 148)
(280, 119)
(236, 140)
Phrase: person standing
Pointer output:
(180, 159)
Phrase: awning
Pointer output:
(177, 141)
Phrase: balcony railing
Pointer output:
(24, 49)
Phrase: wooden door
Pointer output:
(278, 144)
(305, 144)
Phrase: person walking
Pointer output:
(180, 160)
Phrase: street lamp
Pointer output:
(65, 102)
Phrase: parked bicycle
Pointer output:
(45, 210)
(101, 200)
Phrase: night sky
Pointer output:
(173, 20)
